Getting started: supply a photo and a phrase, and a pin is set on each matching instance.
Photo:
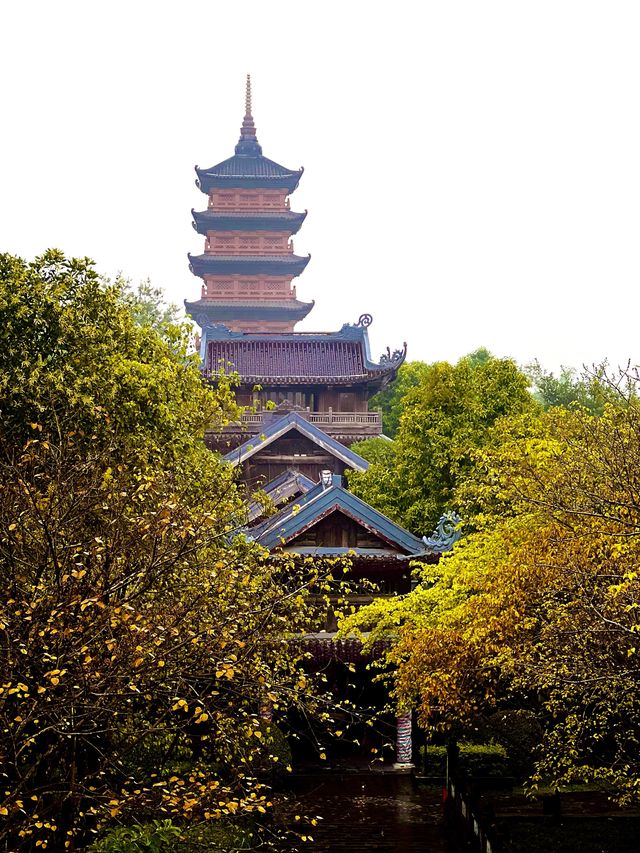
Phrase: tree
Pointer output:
(538, 607)
(140, 641)
(148, 307)
(444, 419)
(569, 389)
(390, 399)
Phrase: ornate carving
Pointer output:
(364, 320)
(446, 534)
(389, 358)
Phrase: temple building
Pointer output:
(307, 393)
(248, 264)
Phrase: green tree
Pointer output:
(140, 641)
(569, 389)
(390, 399)
(444, 419)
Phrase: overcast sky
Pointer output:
(472, 169)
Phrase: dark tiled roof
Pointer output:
(302, 359)
(207, 310)
(316, 504)
(242, 167)
(247, 220)
(281, 489)
(297, 423)
(293, 361)
(257, 171)
(295, 357)
(248, 264)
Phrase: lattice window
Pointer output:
(223, 285)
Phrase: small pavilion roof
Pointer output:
(281, 489)
(338, 358)
(279, 530)
(295, 422)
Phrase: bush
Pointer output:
(164, 837)
(477, 760)
(155, 837)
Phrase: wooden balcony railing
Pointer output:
(371, 420)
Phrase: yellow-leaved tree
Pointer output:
(537, 607)
(140, 641)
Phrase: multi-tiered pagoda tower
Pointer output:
(307, 393)
(248, 264)
(248, 306)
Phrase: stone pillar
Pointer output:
(403, 741)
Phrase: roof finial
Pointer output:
(247, 99)
(248, 143)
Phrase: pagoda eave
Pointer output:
(211, 220)
(207, 312)
(277, 265)
(373, 383)
(207, 181)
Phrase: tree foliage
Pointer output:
(140, 642)
(390, 399)
(538, 606)
(444, 419)
(570, 389)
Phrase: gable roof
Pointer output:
(321, 501)
(280, 489)
(287, 423)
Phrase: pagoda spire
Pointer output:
(248, 144)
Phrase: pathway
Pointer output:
(372, 813)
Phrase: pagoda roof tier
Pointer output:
(248, 167)
(295, 422)
(271, 220)
(299, 358)
(292, 265)
(250, 172)
(208, 311)
(278, 531)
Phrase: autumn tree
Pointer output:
(140, 640)
(537, 607)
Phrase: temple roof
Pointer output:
(248, 167)
(205, 311)
(296, 422)
(280, 529)
(341, 357)
(247, 220)
(281, 489)
(288, 264)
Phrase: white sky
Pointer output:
(472, 169)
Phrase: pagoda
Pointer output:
(306, 396)
(248, 263)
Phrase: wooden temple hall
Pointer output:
(294, 440)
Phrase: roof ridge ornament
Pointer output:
(446, 534)
(248, 145)
(247, 97)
